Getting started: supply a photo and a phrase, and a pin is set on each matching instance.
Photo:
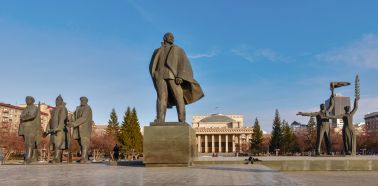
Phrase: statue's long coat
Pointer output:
(82, 122)
(179, 65)
(58, 121)
(30, 128)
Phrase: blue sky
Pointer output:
(250, 57)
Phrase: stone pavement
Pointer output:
(101, 174)
(335, 178)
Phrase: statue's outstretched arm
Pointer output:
(312, 114)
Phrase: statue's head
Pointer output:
(29, 100)
(347, 109)
(322, 107)
(168, 38)
(59, 100)
(83, 101)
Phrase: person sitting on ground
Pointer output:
(250, 160)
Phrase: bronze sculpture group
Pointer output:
(172, 76)
(58, 128)
(173, 80)
(323, 125)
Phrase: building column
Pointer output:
(199, 143)
(240, 142)
(212, 143)
(220, 143)
(206, 149)
(247, 142)
(226, 142)
(233, 143)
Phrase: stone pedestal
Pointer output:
(169, 144)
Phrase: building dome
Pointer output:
(217, 118)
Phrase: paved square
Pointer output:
(100, 174)
(335, 178)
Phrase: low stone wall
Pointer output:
(301, 163)
(322, 165)
(236, 162)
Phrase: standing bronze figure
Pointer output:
(172, 76)
(57, 128)
(323, 126)
(348, 131)
(30, 129)
(82, 127)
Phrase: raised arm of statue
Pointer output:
(355, 107)
(311, 114)
(331, 104)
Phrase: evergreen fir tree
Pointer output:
(113, 125)
(288, 139)
(276, 140)
(257, 137)
(125, 131)
(137, 137)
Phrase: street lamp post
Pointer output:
(277, 150)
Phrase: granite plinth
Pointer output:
(169, 124)
(169, 144)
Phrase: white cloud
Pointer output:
(247, 56)
(363, 52)
(260, 54)
(204, 55)
(145, 14)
